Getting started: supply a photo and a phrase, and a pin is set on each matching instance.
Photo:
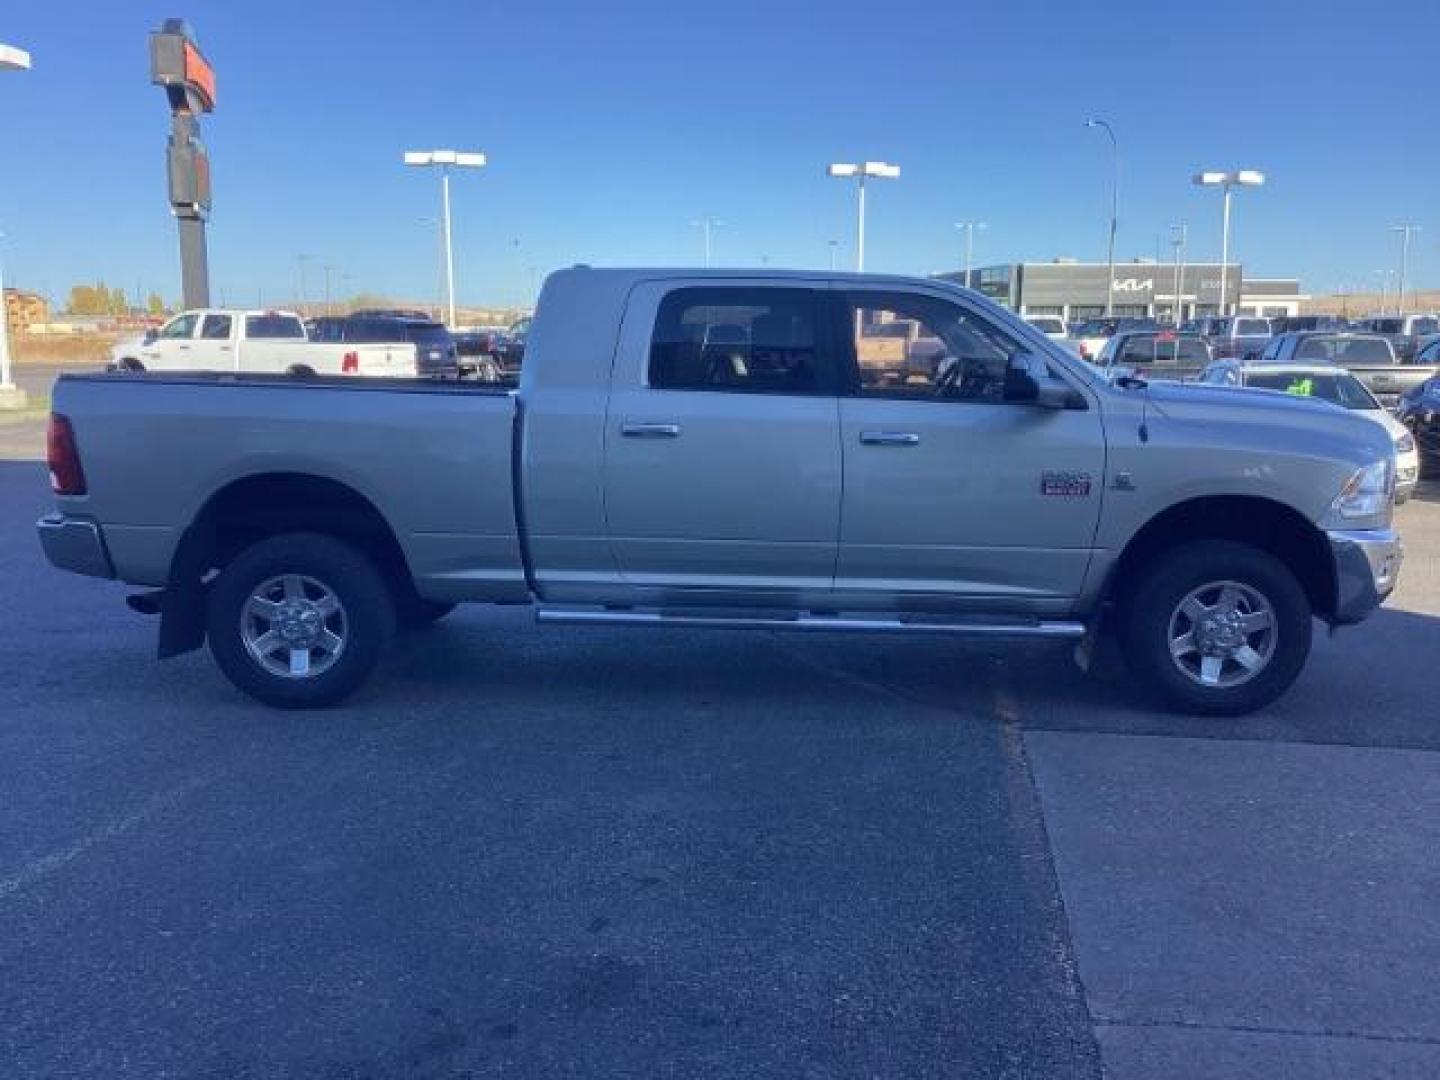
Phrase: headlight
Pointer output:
(1405, 444)
(1368, 493)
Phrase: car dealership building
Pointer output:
(1075, 290)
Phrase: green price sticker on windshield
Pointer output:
(1301, 387)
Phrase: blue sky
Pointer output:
(612, 126)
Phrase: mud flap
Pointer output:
(182, 605)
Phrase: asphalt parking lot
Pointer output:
(547, 852)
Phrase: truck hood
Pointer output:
(1269, 420)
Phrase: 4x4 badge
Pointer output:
(1072, 485)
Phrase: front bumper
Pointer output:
(1367, 565)
(74, 544)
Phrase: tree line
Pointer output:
(99, 299)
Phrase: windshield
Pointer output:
(1341, 351)
(427, 333)
(1340, 388)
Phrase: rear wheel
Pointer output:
(1217, 628)
(299, 620)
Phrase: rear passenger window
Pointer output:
(738, 340)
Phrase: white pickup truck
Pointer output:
(222, 339)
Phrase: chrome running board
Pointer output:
(904, 624)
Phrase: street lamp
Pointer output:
(1227, 181)
(445, 160)
(1179, 235)
(860, 172)
(1114, 212)
(1384, 276)
(968, 228)
(11, 396)
(708, 226)
(1405, 231)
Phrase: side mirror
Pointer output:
(151, 336)
(1028, 382)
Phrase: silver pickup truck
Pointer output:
(714, 448)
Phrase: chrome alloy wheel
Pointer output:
(1222, 634)
(294, 626)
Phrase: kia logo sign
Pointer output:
(1135, 285)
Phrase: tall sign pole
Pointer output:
(178, 65)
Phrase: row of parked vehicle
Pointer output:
(375, 342)
(1384, 367)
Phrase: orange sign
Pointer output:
(200, 77)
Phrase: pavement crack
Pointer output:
(57, 860)
(1265, 1029)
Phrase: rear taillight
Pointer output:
(350, 363)
(66, 475)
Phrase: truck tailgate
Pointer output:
(433, 459)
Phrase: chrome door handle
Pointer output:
(650, 431)
(889, 438)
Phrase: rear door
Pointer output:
(954, 496)
(722, 465)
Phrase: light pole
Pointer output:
(328, 271)
(1405, 230)
(1384, 276)
(1114, 212)
(302, 259)
(445, 160)
(11, 396)
(968, 228)
(1227, 181)
(834, 249)
(861, 171)
(1179, 234)
(707, 226)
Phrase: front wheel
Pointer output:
(1218, 628)
(299, 620)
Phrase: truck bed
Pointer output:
(434, 458)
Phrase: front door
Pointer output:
(952, 494)
(722, 462)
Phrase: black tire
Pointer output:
(415, 612)
(1161, 586)
(367, 614)
(130, 364)
(301, 371)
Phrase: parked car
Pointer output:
(1336, 385)
(1404, 332)
(1091, 337)
(395, 313)
(476, 351)
(1154, 354)
(1286, 324)
(222, 339)
(652, 470)
(1369, 356)
(510, 348)
(435, 353)
(1229, 336)
(1419, 411)
(1049, 325)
